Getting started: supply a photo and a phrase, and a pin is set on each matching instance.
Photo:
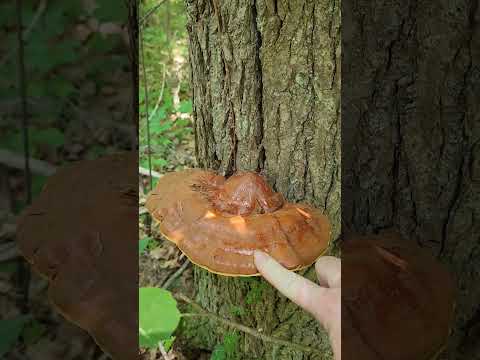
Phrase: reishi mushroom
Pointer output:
(397, 299)
(219, 222)
(81, 233)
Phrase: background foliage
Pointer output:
(168, 92)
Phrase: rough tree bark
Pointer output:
(266, 87)
(410, 135)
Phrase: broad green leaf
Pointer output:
(159, 163)
(157, 127)
(10, 330)
(158, 316)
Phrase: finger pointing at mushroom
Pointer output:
(322, 302)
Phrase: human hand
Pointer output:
(322, 301)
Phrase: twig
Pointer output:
(150, 12)
(40, 167)
(160, 97)
(175, 275)
(146, 172)
(16, 161)
(40, 10)
(243, 328)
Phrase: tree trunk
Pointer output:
(410, 135)
(266, 87)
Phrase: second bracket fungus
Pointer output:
(218, 222)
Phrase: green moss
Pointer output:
(256, 291)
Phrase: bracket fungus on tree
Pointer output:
(218, 222)
(81, 234)
(397, 299)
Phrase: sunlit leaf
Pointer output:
(158, 316)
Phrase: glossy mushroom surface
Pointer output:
(219, 222)
(81, 234)
(397, 299)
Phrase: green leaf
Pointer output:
(158, 127)
(10, 330)
(143, 243)
(185, 107)
(167, 344)
(158, 316)
(159, 163)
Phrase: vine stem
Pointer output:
(248, 330)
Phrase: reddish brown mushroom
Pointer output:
(218, 223)
(397, 300)
(81, 234)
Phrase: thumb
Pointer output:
(329, 272)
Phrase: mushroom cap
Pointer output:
(81, 233)
(397, 300)
(218, 222)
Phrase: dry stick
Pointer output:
(243, 328)
(175, 275)
(146, 172)
(40, 167)
(13, 160)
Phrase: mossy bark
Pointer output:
(266, 87)
(411, 129)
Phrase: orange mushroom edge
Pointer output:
(218, 223)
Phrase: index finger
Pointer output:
(301, 291)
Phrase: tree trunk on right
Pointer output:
(410, 136)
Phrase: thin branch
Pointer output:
(13, 160)
(160, 97)
(150, 12)
(146, 172)
(175, 275)
(243, 328)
